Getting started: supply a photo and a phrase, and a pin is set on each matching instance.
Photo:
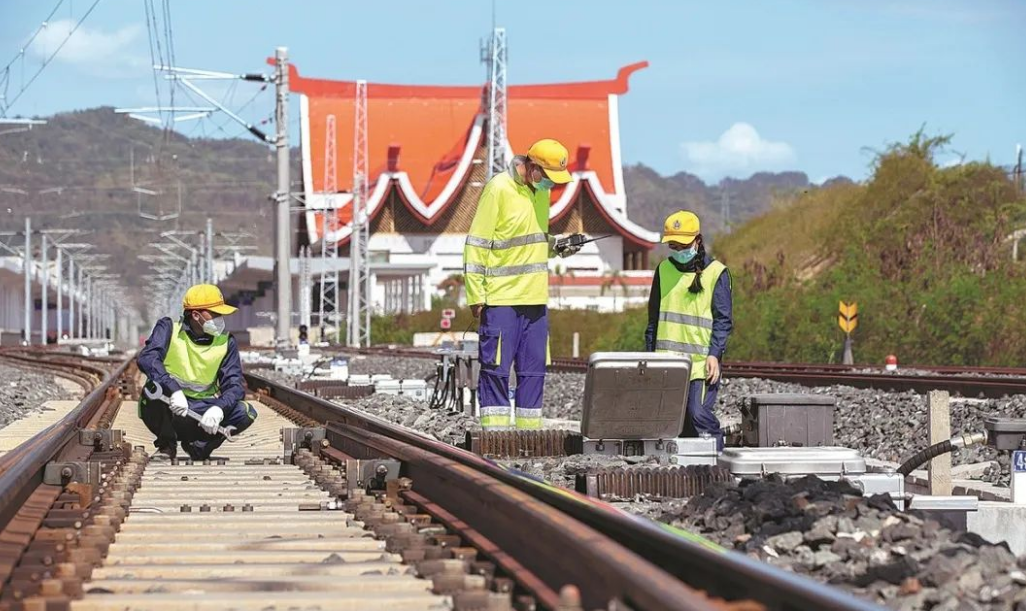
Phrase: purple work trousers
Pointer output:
(514, 337)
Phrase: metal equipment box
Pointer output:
(635, 395)
(681, 451)
(825, 463)
(1005, 433)
(787, 419)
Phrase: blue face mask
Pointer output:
(684, 256)
(544, 184)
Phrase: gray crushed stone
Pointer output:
(23, 392)
(828, 531)
(883, 425)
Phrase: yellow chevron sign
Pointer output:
(848, 318)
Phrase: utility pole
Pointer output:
(72, 325)
(43, 323)
(210, 251)
(28, 281)
(283, 250)
(60, 293)
(1020, 180)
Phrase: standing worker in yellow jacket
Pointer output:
(507, 282)
(690, 313)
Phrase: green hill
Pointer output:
(921, 249)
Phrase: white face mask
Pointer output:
(214, 326)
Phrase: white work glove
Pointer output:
(212, 419)
(178, 405)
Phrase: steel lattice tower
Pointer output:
(359, 261)
(496, 59)
(329, 303)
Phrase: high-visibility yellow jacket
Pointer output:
(193, 366)
(686, 318)
(505, 260)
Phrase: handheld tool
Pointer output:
(576, 240)
(158, 394)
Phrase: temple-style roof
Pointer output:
(424, 141)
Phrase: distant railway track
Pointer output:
(478, 530)
(966, 381)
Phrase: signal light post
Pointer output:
(848, 319)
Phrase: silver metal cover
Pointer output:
(635, 395)
(834, 461)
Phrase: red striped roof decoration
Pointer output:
(422, 139)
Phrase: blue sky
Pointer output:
(734, 87)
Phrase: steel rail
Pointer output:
(21, 470)
(966, 381)
(717, 572)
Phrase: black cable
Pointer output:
(42, 26)
(46, 62)
(923, 456)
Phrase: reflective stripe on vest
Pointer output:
(685, 318)
(506, 254)
(193, 366)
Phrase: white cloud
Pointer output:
(739, 151)
(96, 51)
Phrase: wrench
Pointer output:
(158, 395)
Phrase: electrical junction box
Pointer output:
(825, 463)
(1006, 433)
(416, 389)
(788, 419)
(635, 396)
(681, 451)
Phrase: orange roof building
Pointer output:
(427, 148)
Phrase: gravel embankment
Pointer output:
(827, 531)
(824, 530)
(23, 392)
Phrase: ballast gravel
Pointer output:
(23, 392)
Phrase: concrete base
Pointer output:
(996, 522)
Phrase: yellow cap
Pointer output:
(681, 226)
(206, 297)
(552, 157)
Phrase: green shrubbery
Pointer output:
(921, 249)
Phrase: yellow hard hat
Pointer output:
(206, 297)
(681, 226)
(552, 157)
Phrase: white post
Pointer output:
(940, 430)
(577, 345)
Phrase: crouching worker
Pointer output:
(197, 367)
(689, 313)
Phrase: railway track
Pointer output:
(341, 511)
(975, 382)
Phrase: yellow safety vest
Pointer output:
(685, 318)
(505, 260)
(195, 367)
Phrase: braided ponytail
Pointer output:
(696, 284)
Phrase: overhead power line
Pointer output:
(7, 105)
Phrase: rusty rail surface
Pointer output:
(21, 470)
(719, 574)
